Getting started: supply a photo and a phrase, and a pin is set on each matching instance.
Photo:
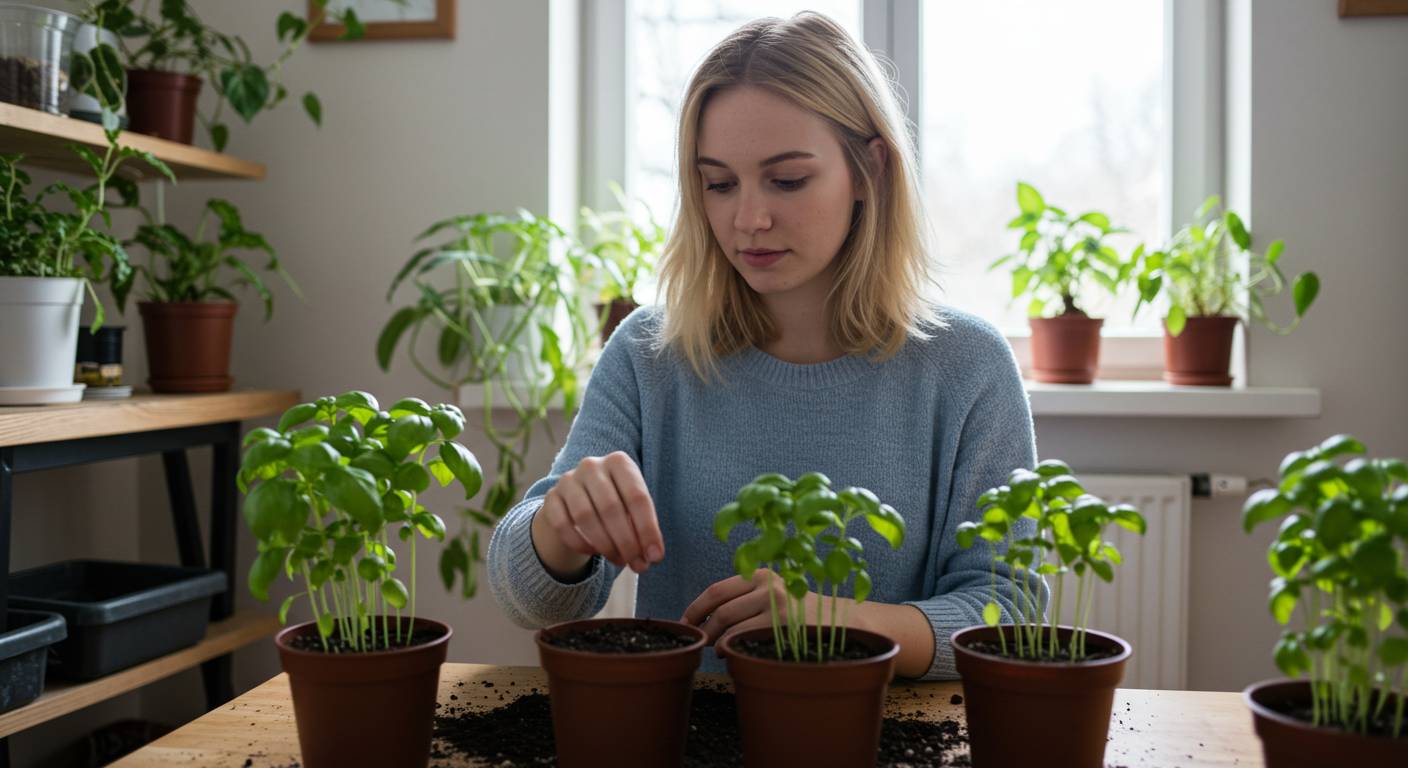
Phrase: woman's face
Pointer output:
(777, 190)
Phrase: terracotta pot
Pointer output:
(1202, 354)
(1288, 742)
(162, 104)
(804, 713)
(188, 345)
(620, 709)
(1065, 348)
(1063, 709)
(620, 308)
(373, 708)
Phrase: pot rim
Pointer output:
(1126, 650)
(281, 642)
(563, 626)
(726, 648)
(1261, 710)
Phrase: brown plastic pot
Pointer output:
(188, 345)
(162, 104)
(1202, 354)
(620, 709)
(617, 312)
(1288, 742)
(1066, 348)
(805, 713)
(374, 708)
(1063, 709)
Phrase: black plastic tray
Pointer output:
(118, 614)
(24, 648)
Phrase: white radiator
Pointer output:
(1147, 604)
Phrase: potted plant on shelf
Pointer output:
(188, 314)
(625, 251)
(494, 325)
(1057, 681)
(600, 668)
(1202, 274)
(1341, 557)
(807, 670)
(48, 259)
(170, 54)
(331, 485)
(1057, 254)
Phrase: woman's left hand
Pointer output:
(737, 605)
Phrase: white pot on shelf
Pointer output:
(39, 339)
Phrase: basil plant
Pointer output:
(329, 487)
(1069, 537)
(1341, 558)
(802, 539)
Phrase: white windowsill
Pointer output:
(1158, 399)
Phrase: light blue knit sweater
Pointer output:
(927, 430)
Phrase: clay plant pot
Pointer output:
(1063, 708)
(1202, 354)
(375, 708)
(162, 104)
(806, 713)
(615, 313)
(1065, 348)
(620, 709)
(188, 345)
(1289, 742)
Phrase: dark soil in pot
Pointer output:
(619, 638)
(519, 733)
(336, 643)
(1283, 718)
(1062, 655)
(766, 648)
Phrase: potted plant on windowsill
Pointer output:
(1341, 557)
(1202, 274)
(1054, 258)
(808, 670)
(330, 487)
(1057, 681)
(493, 323)
(171, 54)
(48, 259)
(625, 251)
(188, 314)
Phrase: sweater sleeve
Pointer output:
(995, 437)
(609, 420)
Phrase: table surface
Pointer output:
(1149, 728)
(144, 412)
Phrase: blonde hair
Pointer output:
(877, 299)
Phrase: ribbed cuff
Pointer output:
(535, 593)
(946, 617)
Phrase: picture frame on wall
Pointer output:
(390, 19)
(1373, 8)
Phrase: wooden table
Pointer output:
(1150, 728)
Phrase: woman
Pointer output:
(794, 337)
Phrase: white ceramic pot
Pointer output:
(39, 339)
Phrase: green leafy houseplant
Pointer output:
(803, 540)
(624, 248)
(493, 321)
(330, 486)
(1341, 558)
(1202, 273)
(190, 268)
(171, 37)
(1058, 252)
(1068, 538)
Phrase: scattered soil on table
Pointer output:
(767, 649)
(520, 734)
(1063, 655)
(336, 643)
(619, 638)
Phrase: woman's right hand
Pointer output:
(600, 507)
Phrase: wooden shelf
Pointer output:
(140, 413)
(61, 698)
(44, 138)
